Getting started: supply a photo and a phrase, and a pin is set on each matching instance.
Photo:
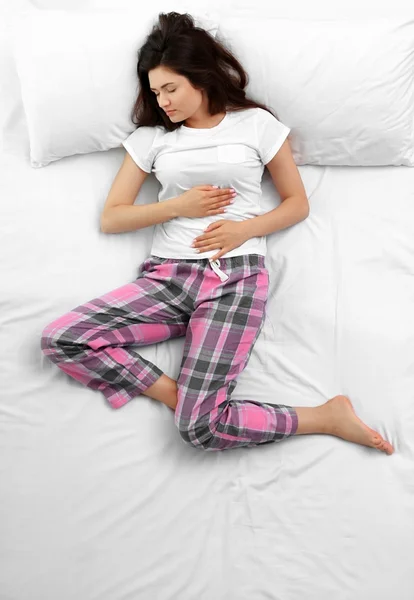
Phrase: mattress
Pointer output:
(104, 504)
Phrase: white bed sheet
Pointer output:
(106, 504)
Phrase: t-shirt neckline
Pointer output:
(206, 130)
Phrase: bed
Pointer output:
(103, 504)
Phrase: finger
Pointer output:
(224, 198)
(208, 247)
(206, 238)
(221, 204)
(218, 208)
(220, 254)
(218, 211)
(215, 225)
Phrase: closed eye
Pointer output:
(170, 92)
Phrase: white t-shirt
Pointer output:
(231, 154)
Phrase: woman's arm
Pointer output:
(294, 205)
(120, 214)
(129, 218)
(292, 210)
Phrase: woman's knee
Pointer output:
(192, 437)
(196, 433)
(53, 339)
(48, 339)
(195, 430)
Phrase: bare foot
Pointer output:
(343, 422)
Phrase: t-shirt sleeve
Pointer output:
(140, 146)
(271, 134)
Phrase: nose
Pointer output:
(163, 105)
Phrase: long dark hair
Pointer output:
(177, 44)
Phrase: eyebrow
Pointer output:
(163, 86)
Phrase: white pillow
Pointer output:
(345, 88)
(78, 77)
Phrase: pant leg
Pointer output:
(219, 340)
(93, 343)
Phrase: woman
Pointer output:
(213, 133)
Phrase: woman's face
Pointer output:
(177, 93)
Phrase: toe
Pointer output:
(379, 443)
(383, 446)
(377, 440)
(389, 448)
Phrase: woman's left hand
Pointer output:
(224, 234)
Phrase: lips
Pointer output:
(169, 111)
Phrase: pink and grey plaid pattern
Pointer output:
(96, 343)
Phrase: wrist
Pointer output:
(245, 228)
(174, 207)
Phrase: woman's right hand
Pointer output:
(203, 201)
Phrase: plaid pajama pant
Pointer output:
(95, 343)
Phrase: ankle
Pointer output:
(312, 420)
(164, 390)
